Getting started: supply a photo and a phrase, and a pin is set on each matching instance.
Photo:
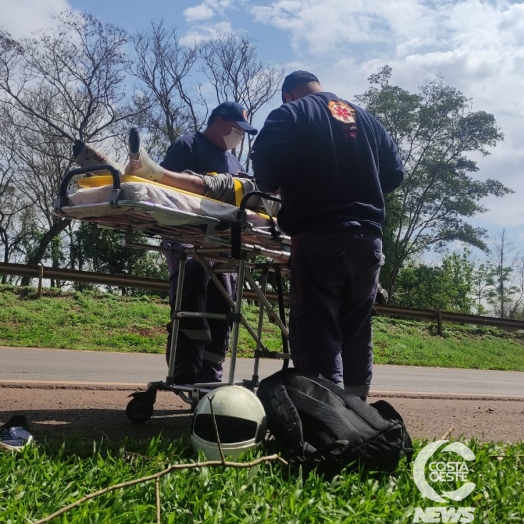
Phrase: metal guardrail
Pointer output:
(447, 316)
(72, 275)
(90, 277)
(42, 272)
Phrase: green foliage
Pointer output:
(415, 343)
(108, 322)
(103, 250)
(54, 250)
(90, 320)
(435, 130)
(44, 478)
(448, 287)
(271, 276)
(502, 293)
(481, 286)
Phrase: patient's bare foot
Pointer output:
(87, 156)
(140, 164)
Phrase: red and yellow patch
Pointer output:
(342, 111)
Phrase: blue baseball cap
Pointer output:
(236, 113)
(295, 78)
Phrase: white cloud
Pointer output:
(329, 26)
(198, 13)
(208, 9)
(485, 60)
(206, 32)
(476, 45)
(22, 17)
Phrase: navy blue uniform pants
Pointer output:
(202, 343)
(334, 278)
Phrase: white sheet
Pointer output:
(136, 192)
(159, 200)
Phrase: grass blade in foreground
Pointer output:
(45, 477)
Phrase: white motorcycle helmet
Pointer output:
(240, 419)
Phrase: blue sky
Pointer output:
(476, 45)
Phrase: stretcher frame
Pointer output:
(214, 241)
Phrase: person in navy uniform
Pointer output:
(332, 162)
(200, 163)
(202, 343)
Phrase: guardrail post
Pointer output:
(40, 280)
(439, 322)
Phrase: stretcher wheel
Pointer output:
(139, 410)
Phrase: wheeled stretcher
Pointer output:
(234, 239)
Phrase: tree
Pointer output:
(448, 287)
(435, 129)
(235, 71)
(458, 272)
(503, 294)
(482, 282)
(70, 83)
(170, 95)
(15, 207)
(167, 102)
(101, 250)
(517, 310)
(60, 85)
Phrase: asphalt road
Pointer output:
(29, 364)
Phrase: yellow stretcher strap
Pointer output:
(239, 191)
(237, 186)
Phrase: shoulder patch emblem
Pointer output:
(342, 111)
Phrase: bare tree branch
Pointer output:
(208, 464)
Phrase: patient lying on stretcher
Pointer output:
(220, 186)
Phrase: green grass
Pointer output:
(107, 322)
(49, 475)
(92, 321)
(45, 477)
(416, 343)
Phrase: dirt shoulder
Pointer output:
(56, 410)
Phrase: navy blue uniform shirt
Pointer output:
(197, 153)
(332, 161)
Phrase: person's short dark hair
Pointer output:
(295, 78)
(235, 112)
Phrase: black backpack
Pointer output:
(317, 424)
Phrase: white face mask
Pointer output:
(234, 138)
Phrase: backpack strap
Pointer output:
(389, 412)
(283, 417)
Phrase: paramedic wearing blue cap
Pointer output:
(200, 163)
(202, 343)
(332, 162)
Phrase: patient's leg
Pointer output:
(87, 156)
(140, 164)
